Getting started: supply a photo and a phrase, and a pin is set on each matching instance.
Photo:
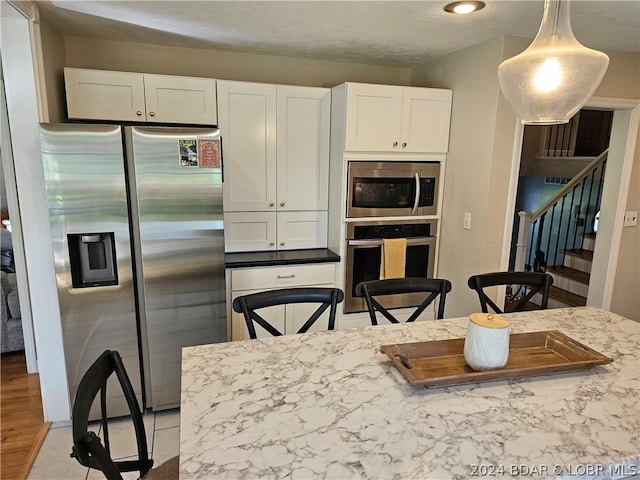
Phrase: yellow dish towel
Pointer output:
(393, 258)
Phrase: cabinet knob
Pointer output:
(282, 204)
(271, 204)
(139, 113)
(152, 114)
(271, 244)
(395, 144)
(282, 244)
(404, 144)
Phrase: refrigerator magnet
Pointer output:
(188, 153)
(209, 149)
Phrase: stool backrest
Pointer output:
(528, 283)
(431, 287)
(88, 450)
(327, 298)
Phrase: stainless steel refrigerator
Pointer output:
(136, 219)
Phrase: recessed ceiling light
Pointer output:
(463, 8)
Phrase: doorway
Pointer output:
(562, 170)
(624, 131)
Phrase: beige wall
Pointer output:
(54, 61)
(470, 167)
(623, 81)
(138, 57)
(626, 293)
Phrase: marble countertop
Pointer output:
(330, 405)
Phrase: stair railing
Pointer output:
(555, 226)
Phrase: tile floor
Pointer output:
(54, 463)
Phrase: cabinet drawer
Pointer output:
(282, 276)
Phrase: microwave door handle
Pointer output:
(417, 199)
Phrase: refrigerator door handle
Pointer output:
(91, 238)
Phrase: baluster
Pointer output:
(566, 238)
(600, 183)
(561, 130)
(555, 252)
(586, 216)
(539, 240)
(575, 232)
(548, 249)
(533, 230)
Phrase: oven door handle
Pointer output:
(416, 200)
(379, 242)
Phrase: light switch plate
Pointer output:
(467, 220)
(630, 219)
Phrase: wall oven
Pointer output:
(364, 249)
(384, 189)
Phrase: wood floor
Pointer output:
(22, 428)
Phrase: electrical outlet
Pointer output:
(467, 220)
(630, 219)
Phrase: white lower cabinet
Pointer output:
(263, 231)
(249, 231)
(287, 319)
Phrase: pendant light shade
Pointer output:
(553, 78)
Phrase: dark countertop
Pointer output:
(283, 257)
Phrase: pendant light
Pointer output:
(553, 78)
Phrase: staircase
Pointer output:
(554, 239)
(571, 279)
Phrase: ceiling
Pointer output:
(395, 33)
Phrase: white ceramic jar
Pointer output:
(486, 346)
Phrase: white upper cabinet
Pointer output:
(388, 118)
(247, 114)
(171, 99)
(303, 116)
(275, 145)
(138, 97)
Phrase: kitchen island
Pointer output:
(330, 405)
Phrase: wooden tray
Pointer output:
(441, 363)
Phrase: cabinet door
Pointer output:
(302, 230)
(274, 315)
(247, 121)
(426, 113)
(249, 231)
(104, 95)
(171, 99)
(303, 124)
(373, 117)
(297, 314)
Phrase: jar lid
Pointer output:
(488, 320)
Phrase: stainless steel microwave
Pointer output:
(389, 189)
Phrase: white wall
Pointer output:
(20, 85)
(623, 81)
(609, 226)
(626, 292)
